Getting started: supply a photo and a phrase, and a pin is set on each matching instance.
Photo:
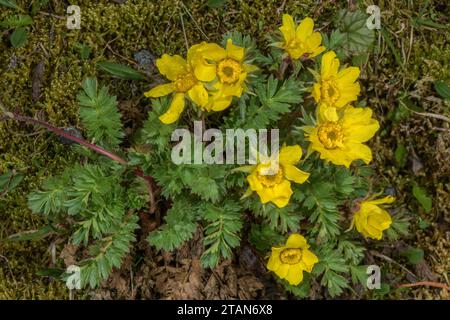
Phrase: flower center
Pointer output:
(185, 82)
(331, 135)
(229, 71)
(330, 92)
(291, 256)
(268, 179)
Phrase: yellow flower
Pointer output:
(289, 262)
(335, 89)
(370, 220)
(184, 82)
(300, 41)
(341, 141)
(273, 185)
(226, 67)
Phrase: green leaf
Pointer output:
(10, 181)
(99, 114)
(357, 37)
(400, 155)
(15, 21)
(107, 253)
(221, 233)
(121, 71)
(10, 4)
(51, 272)
(179, 227)
(19, 37)
(274, 98)
(264, 237)
(301, 290)
(84, 50)
(31, 235)
(421, 195)
(213, 4)
(359, 275)
(443, 89)
(414, 255)
(391, 46)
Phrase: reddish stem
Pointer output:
(425, 283)
(62, 133)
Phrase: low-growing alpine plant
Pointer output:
(309, 209)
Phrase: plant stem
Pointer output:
(62, 133)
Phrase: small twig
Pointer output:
(380, 255)
(425, 283)
(184, 32)
(120, 56)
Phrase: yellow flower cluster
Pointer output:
(210, 77)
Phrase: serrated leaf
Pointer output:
(121, 71)
(19, 37)
(421, 195)
(357, 37)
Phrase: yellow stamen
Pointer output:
(291, 256)
(331, 135)
(330, 92)
(270, 180)
(229, 71)
(185, 82)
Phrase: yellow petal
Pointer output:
(281, 202)
(205, 71)
(235, 52)
(348, 75)
(296, 240)
(330, 65)
(282, 190)
(198, 94)
(314, 41)
(274, 260)
(171, 66)
(295, 275)
(309, 259)
(160, 91)
(214, 52)
(362, 133)
(294, 174)
(387, 199)
(317, 51)
(282, 270)
(265, 194)
(221, 103)
(290, 154)
(305, 29)
(288, 28)
(254, 183)
(359, 151)
(175, 109)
